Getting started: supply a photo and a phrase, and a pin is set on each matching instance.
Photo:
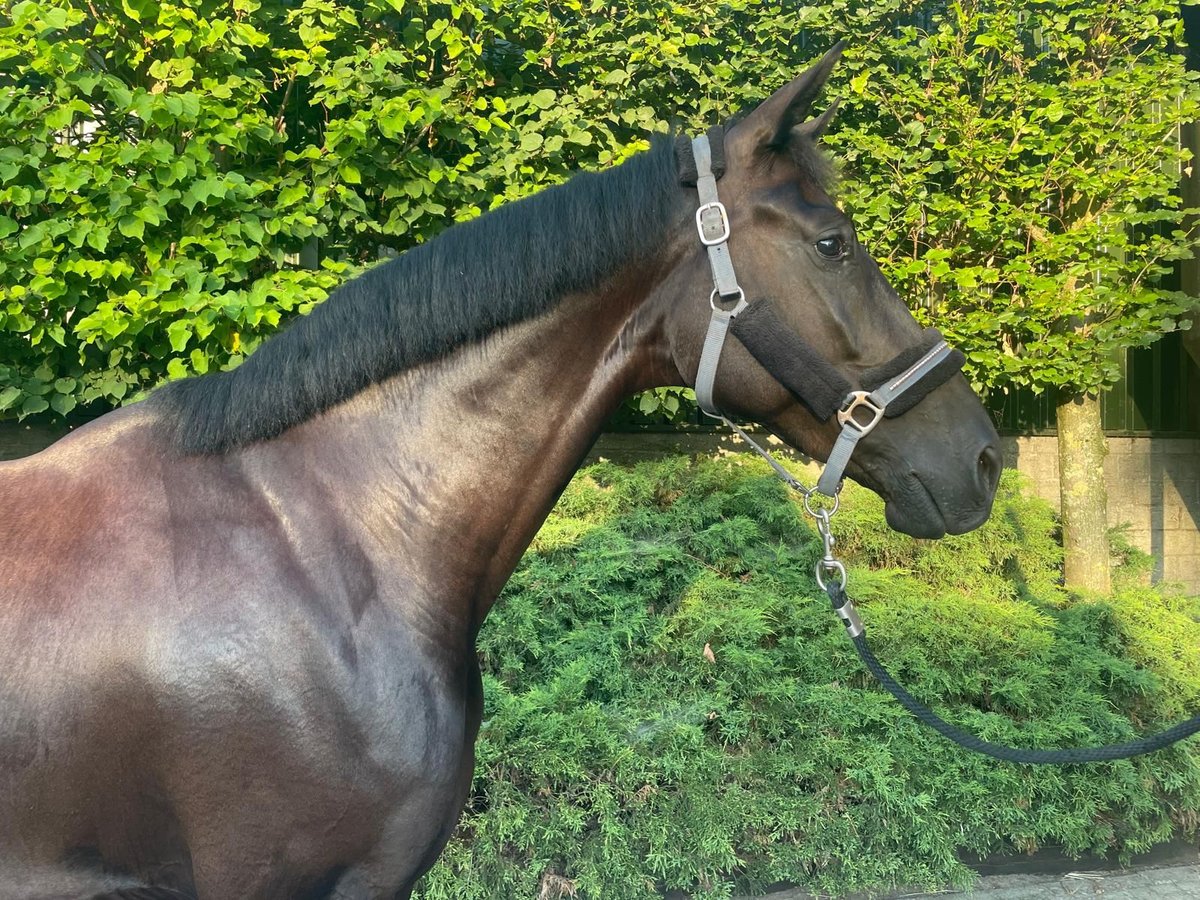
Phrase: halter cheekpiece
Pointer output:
(887, 390)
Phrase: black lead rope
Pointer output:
(1148, 744)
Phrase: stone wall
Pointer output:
(1153, 488)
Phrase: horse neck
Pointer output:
(444, 473)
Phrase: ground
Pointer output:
(1180, 882)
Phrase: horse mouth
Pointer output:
(912, 509)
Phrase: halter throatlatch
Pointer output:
(888, 390)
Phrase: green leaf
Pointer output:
(60, 118)
(179, 333)
(34, 405)
(114, 388)
(55, 17)
(24, 12)
(131, 227)
(253, 230)
(151, 215)
(290, 194)
(97, 239)
(32, 235)
(63, 403)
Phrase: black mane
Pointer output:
(507, 266)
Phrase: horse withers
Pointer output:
(238, 620)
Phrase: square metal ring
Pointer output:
(859, 400)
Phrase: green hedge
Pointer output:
(618, 758)
(166, 165)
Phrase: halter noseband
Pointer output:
(888, 390)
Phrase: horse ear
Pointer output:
(789, 106)
(814, 128)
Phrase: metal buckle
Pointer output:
(859, 400)
(720, 208)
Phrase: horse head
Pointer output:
(812, 316)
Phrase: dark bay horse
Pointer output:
(237, 620)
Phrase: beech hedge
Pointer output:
(179, 177)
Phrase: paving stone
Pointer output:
(1166, 883)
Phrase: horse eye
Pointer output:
(832, 247)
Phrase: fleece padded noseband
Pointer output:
(887, 390)
(791, 360)
(796, 364)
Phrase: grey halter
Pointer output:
(860, 411)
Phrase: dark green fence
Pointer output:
(1159, 394)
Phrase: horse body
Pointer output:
(240, 665)
(318, 589)
(121, 716)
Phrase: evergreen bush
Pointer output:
(671, 704)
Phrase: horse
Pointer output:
(238, 618)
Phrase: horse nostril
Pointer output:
(990, 464)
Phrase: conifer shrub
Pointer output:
(672, 706)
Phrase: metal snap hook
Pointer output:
(832, 567)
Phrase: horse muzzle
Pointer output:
(931, 489)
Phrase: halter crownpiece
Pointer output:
(888, 390)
